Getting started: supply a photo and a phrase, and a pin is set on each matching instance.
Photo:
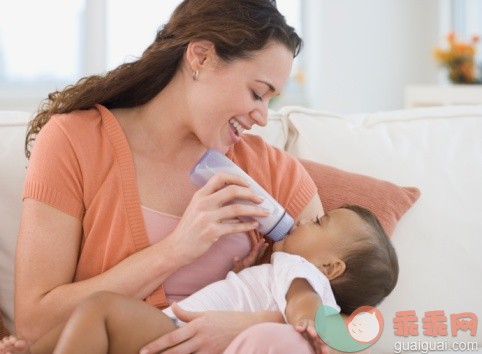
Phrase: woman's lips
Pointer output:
(233, 133)
(238, 127)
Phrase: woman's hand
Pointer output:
(204, 333)
(307, 329)
(210, 215)
(258, 250)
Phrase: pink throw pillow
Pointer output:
(385, 199)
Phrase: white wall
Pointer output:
(361, 54)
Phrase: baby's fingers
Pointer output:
(252, 258)
(307, 329)
(302, 326)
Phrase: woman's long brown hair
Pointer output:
(237, 28)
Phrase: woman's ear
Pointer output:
(199, 53)
(333, 269)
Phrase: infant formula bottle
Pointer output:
(276, 225)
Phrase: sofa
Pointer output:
(421, 169)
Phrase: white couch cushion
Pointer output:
(12, 171)
(275, 132)
(439, 240)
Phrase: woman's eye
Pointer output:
(256, 97)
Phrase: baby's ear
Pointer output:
(333, 269)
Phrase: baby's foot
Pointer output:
(13, 345)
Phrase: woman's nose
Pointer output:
(260, 114)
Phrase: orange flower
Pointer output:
(458, 58)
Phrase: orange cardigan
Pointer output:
(82, 165)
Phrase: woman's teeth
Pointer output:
(237, 127)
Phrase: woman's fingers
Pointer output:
(230, 195)
(234, 228)
(239, 211)
(221, 180)
(223, 188)
(225, 205)
(171, 339)
(181, 338)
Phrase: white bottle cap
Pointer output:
(280, 230)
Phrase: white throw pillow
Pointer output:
(12, 171)
(275, 132)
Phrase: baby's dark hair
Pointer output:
(371, 266)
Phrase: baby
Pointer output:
(343, 259)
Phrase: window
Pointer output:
(293, 92)
(466, 18)
(127, 38)
(41, 45)
(34, 48)
(45, 45)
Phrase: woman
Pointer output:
(108, 205)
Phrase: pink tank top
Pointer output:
(210, 267)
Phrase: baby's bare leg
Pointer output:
(45, 345)
(13, 345)
(112, 323)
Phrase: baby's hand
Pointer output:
(307, 329)
(252, 258)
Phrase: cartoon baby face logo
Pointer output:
(361, 329)
(365, 324)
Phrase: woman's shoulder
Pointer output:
(254, 148)
(84, 136)
(84, 126)
(264, 162)
(77, 123)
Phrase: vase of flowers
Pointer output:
(459, 59)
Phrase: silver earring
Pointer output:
(195, 75)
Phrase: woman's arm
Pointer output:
(208, 332)
(48, 247)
